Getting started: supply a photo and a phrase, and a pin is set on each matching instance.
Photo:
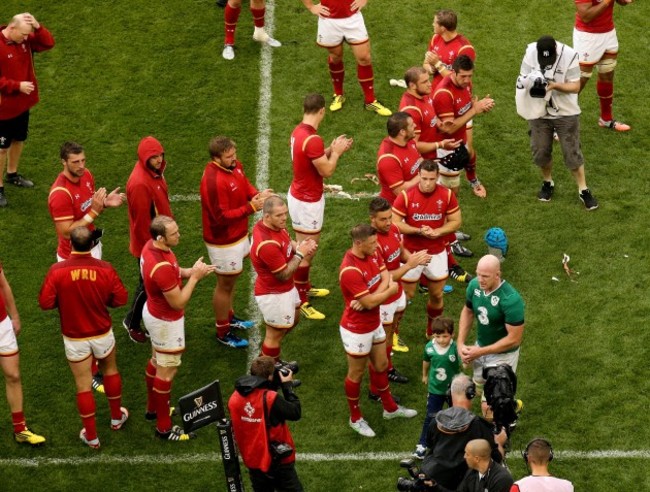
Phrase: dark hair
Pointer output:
(463, 62)
(442, 325)
(413, 74)
(159, 225)
(263, 366)
(447, 19)
(218, 145)
(361, 232)
(378, 204)
(397, 122)
(81, 239)
(539, 451)
(313, 103)
(429, 165)
(70, 148)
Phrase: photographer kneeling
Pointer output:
(259, 416)
(450, 432)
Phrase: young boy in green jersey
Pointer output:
(440, 363)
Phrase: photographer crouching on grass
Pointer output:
(449, 433)
(259, 416)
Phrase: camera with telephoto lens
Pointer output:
(538, 89)
(96, 235)
(280, 450)
(285, 368)
(417, 481)
(500, 388)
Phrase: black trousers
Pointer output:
(281, 478)
(134, 316)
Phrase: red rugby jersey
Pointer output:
(419, 209)
(448, 51)
(395, 165)
(225, 204)
(454, 101)
(82, 288)
(270, 252)
(390, 248)
(603, 23)
(306, 146)
(357, 278)
(161, 273)
(339, 9)
(70, 201)
(424, 117)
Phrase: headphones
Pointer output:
(470, 392)
(540, 440)
(160, 238)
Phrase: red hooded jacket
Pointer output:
(146, 194)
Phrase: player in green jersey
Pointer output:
(499, 311)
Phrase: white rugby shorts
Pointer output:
(387, 311)
(279, 310)
(99, 347)
(8, 343)
(436, 269)
(591, 46)
(306, 217)
(229, 260)
(333, 32)
(166, 336)
(360, 344)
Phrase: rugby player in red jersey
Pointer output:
(426, 214)
(231, 16)
(164, 318)
(82, 288)
(366, 285)
(275, 258)
(594, 38)
(312, 162)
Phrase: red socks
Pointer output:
(366, 79)
(113, 388)
(431, 314)
(337, 73)
(258, 16)
(18, 420)
(86, 407)
(301, 279)
(352, 392)
(231, 15)
(223, 327)
(379, 380)
(271, 352)
(470, 170)
(605, 92)
(162, 390)
(149, 375)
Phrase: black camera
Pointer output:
(538, 88)
(500, 388)
(417, 481)
(284, 368)
(280, 450)
(96, 235)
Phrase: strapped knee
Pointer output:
(606, 65)
(168, 360)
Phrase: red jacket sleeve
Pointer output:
(119, 296)
(140, 204)
(41, 40)
(47, 296)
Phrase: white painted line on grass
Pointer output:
(262, 168)
(194, 197)
(167, 459)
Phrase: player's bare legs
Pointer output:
(11, 370)
(222, 299)
(273, 339)
(604, 89)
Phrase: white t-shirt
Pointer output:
(565, 69)
(543, 484)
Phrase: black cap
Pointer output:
(546, 51)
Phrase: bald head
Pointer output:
(271, 202)
(488, 272)
(479, 448)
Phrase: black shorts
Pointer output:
(14, 129)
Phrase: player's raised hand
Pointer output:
(258, 201)
(358, 5)
(307, 247)
(483, 105)
(201, 270)
(267, 193)
(31, 20)
(114, 198)
(98, 200)
(340, 144)
(431, 57)
(418, 258)
(450, 143)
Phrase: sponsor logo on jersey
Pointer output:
(374, 280)
(426, 217)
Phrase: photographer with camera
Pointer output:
(547, 96)
(450, 432)
(259, 416)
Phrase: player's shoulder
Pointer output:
(508, 293)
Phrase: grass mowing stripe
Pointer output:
(153, 459)
(262, 168)
(195, 197)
